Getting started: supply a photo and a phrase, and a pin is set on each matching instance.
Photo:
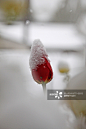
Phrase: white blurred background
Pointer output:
(61, 27)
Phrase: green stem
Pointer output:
(44, 87)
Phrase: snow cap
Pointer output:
(37, 53)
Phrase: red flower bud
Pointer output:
(43, 73)
(40, 64)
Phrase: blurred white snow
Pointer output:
(63, 36)
(22, 102)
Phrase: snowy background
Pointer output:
(22, 102)
(60, 25)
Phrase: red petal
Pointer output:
(43, 73)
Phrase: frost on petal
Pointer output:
(38, 53)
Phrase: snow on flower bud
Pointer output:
(39, 63)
